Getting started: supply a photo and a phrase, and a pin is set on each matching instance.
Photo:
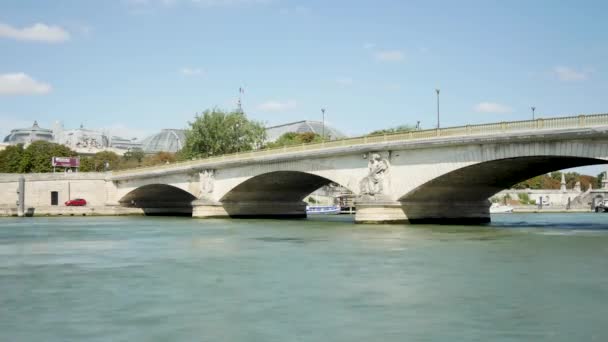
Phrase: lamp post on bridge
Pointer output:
(533, 109)
(437, 91)
(323, 123)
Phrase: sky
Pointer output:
(135, 66)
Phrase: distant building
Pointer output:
(167, 140)
(125, 144)
(273, 133)
(29, 135)
(81, 139)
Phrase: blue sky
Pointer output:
(135, 66)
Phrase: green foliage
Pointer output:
(600, 178)
(524, 198)
(10, 159)
(539, 182)
(553, 181)
(97, 162)
(37, 156)
(292, 138)
(217, 132)
(398, 129)
(136, 154)
(159, 158)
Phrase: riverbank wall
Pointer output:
(46, 194)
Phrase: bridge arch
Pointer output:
(272, 194)
(276, 186)
(159, 199)
(467, 189)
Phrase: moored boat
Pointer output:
(323, 210)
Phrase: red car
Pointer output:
(76, 202)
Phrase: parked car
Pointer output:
(76, 202)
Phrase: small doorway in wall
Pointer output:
(54, 198)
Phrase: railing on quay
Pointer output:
(579, 121)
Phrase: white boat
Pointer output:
(497, 208)
(323, 210)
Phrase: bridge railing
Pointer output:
(570, 122)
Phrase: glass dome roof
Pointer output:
(28, 135)
(168, 140)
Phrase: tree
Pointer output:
(37, 156)
(97, 162)
(217, 132)
(159, 158)
(398, 129)
(539, 182)
(587, 181)
(600, 179)
(292, 138)
(134, 154)
(10, 159)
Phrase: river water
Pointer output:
(522, 278)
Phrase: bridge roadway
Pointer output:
(443, 176)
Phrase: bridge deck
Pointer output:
(499, 128)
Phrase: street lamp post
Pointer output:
(437, 91)
(533, 109)
(323, 128)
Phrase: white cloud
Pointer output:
(344, 81)
(186, 71)
(389, 56)
(22, 84)
(37, 32)
(277, 106)
(369, 46)
(491, 107)
(567, 74)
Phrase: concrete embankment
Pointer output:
(73, 211)
(46, 193)
(552, 209)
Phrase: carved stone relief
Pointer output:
(206, 179)
(373, 183)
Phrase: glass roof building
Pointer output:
(168, 140)
(81, 138)
(273, 133)
(29, 135)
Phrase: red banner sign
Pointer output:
(66, 161)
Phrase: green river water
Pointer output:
(523, 278)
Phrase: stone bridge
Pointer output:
(444, 175)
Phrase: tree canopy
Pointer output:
(10, 159)
(217, 132)
(398, 129)
(292, 138)
(37, 156)
(553, 181)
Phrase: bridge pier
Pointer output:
(448, 212)
(391, 212)
(379, 211)
(204, 209)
